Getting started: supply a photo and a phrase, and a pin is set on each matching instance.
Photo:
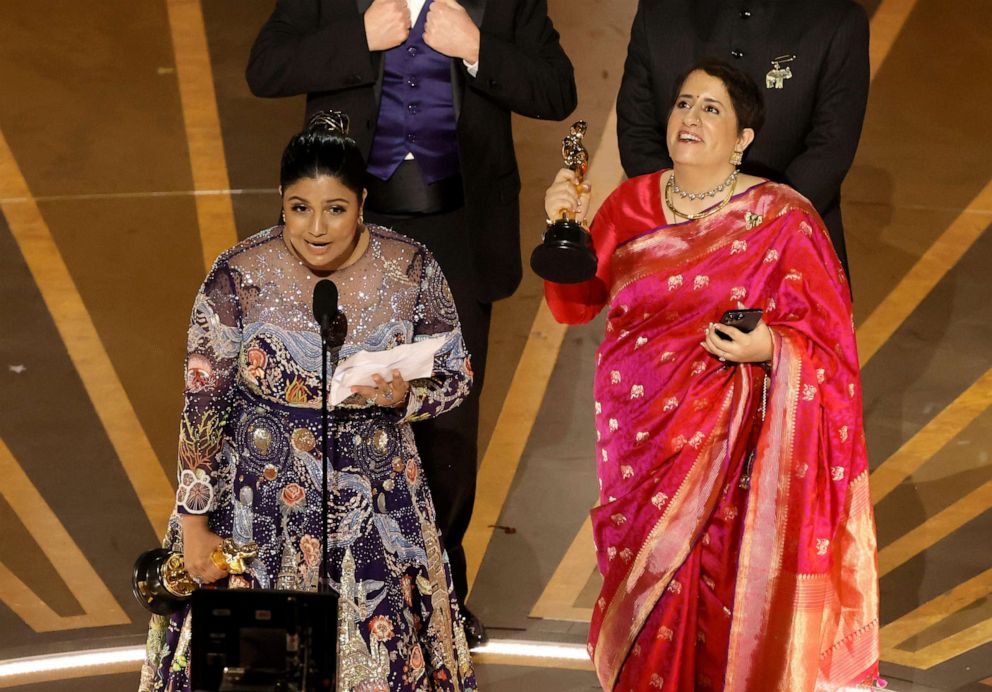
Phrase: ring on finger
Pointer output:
(387, 393)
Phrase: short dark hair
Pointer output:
(324, 148)
(745, 96)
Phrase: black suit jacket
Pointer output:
(812, 124)
(319, 47)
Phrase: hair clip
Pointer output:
(333, 121)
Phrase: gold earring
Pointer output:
(736, 158)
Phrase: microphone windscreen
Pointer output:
(325, 302)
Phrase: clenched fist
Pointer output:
(450, 31)
(387, 24)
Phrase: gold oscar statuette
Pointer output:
(161, 583)
(566, 255)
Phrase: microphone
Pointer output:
(325, 304)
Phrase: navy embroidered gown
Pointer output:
(249, 457)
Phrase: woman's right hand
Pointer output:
(566, 194)
(198, 544)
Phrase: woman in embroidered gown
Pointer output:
(249, 454)
(734, 528)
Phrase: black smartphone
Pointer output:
(745, 319)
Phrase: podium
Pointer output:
(247, 640)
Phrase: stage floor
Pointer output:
(131, 153)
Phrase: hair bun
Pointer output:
(329, 122)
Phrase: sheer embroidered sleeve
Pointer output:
(213, 345)
(436, 317)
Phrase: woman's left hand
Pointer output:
(390, 394)
(751, 347)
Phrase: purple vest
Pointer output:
(416, 111)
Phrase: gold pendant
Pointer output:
(775, 79)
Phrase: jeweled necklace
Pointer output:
(702, 214)
(709, 193)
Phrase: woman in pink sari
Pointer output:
(734, 528)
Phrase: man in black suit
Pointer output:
(810, 57)
(429, 86)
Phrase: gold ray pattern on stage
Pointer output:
(932, 632)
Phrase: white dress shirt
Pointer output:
(416, 7)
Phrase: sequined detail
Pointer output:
(359, 663)
(303, 439)
(380, 441)
(262, 439)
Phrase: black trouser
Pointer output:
(448, 444)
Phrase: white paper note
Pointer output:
(414, 361)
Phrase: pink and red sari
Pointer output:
(734, 530)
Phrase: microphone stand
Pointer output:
(333, 328)
(324, 582)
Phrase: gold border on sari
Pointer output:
(825, 623)
(765, 520)
(668, 544)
